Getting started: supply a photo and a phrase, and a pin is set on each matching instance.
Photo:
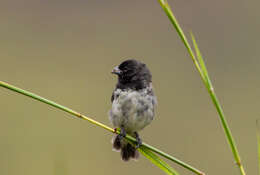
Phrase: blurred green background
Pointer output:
(65, 50)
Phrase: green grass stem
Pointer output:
(258, 144)
(128, 137)
(201, 67)
(157, 161)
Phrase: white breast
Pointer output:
(132, 110)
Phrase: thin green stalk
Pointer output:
(185, 165)
(128, 137)
(258, 150)
(217, 104)
(164, 4)
(157, 161)
(56, 105)
(258, 145)
(200, 66)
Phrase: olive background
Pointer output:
(64, 50)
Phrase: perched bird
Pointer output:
(133, 103)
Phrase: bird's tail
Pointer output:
(126, 149)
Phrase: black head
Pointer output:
(132, 74)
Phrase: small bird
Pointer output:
(133, 104)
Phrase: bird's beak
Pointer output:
(116, 71)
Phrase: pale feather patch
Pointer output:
(132, 109)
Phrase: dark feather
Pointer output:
(135, 75)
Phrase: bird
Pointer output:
(133, 105)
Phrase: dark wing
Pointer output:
(113, 96)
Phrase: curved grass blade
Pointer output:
(74, 113)
(206, 80)
(200, 59)
(258, 144)
(167, 9)
(157, 161)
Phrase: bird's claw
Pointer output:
(122, 133)
(138, 140)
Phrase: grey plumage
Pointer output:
(133, 103)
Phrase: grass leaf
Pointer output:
(200, 66)
(157, 161)
(258, 144)
(201, 61)
(99, 124)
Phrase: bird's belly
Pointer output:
(132, 110)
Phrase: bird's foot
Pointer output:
(138, 140)
(122, 133)
(117, 144)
